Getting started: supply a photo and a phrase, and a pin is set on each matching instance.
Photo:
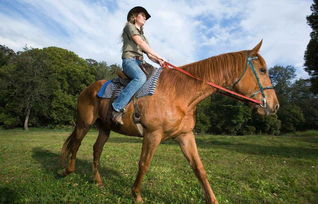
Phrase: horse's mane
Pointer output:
(218, 69)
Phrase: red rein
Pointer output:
(222, 90)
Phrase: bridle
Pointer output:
(249, 63)
(224, 91)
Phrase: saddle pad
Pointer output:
(115, 86)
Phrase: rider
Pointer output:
(134, 45)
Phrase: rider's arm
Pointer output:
(159, 61)
(145, 47)
(152, 58)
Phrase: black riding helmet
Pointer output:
(138, 9)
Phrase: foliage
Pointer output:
(266, 124)
(229, 115)
(203, 116)
(290, 114)
(43, 85)
(292, 118)
(23, 85)
(281, 78)
(311, 53)
(102, 70)
(6, 54)
(302, 96)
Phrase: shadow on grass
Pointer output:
(127, 139)
(247, 148)
(7, 195)
(116, 182)
(313, 140)
(51, 164)
(257, 149)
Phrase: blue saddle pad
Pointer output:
(113, 87)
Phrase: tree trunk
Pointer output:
(26, 121)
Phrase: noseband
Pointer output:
(249, 63)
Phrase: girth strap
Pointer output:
(137, 116)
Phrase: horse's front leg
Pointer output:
(149, 146)
(190, 151)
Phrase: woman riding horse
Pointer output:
(134, 45)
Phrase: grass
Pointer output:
(241, 169)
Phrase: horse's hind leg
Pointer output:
(98, 148)
(71, 146)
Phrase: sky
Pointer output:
(181, 31)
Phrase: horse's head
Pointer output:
(254, 82)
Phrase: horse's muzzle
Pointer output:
(267, 109)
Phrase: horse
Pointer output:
(170, 112)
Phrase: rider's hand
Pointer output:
(161, 62)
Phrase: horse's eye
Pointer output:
(262, 70)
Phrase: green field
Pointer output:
(241, 169)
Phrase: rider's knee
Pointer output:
(141, 79)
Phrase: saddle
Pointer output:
(144, 66)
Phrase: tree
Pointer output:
(70, 74)
(42, 86)
(266, 124)
(203, 115)
(102, 70)
(27, 85)
(281, 78)
(292, 118)
(290, 115)
(311, 53)
(302, 96)
(5, 55)
(228, 116)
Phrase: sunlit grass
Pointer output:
(241, 169)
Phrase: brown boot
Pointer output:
(117, 117)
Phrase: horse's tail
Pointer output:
(66, 149)
(86, 116)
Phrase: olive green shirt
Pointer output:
(130, 48)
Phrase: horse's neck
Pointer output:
(192, 91)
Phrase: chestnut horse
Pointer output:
(170, 112)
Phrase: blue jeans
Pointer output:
(138, 78)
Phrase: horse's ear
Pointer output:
(255, 50)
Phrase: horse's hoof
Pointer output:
(63, 172)
(136, 195)
(100, 185)
(139, 200)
